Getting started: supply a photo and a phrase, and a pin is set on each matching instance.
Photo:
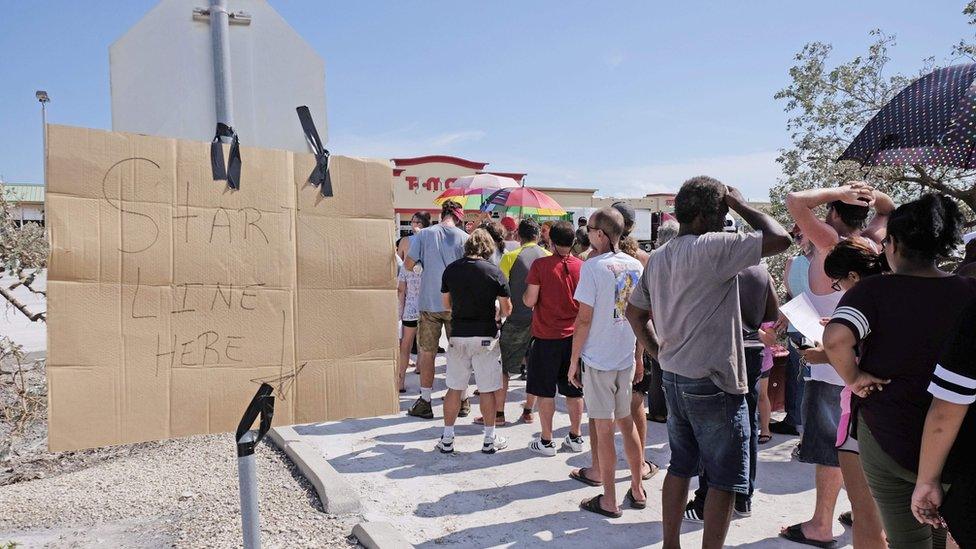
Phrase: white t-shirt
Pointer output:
(606, 282)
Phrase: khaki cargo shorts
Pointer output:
(429, 329)
(478, 354)
(607, 393)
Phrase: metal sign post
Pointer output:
(262, 404)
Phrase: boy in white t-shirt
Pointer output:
(603, 362)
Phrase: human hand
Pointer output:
(782, 323)
(768, 337)
(734, 198)
(866, 384)
(638, 374)
(573, 374)
(856, 193)
(815, 355)
(926, 501)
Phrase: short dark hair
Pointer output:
(449, 207)
(928, 228)
(562, 234)
(497, 232)
(609, 221)
(701, 195)
(853, 216)
(529, 229)
(423, 218)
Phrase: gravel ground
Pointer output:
(176, 493)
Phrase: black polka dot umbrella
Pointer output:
(930, 122)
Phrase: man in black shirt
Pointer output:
(470, 287)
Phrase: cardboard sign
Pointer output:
(171, 297)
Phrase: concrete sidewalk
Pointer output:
(517, 498)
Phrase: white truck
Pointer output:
(643, 229)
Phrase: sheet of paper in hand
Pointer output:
(804, 317)
(172, 297)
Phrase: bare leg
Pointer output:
(575, 408)
(639, 419)
(607, 453)
(486, 402)
(673, 497)
(529, 402)
(868, 530)
(829, 482)
(406, 342)
(452, 404)
(547, 408)
(718, 514)
(634, 451)
(765, 408)
(593, 472)
(426, 364)
(501, 395)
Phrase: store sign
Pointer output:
(431, 183)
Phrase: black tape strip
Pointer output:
(262, 404)
(320, 175)
(232, 172)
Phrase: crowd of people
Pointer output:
(880, 400)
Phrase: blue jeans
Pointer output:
(794, 387)
(753, 371)
(708, 431)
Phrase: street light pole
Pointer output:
(43, 99)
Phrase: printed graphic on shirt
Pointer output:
(626, 280)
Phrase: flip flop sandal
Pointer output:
(593, 506)
(581, 476)
(764, 439)
(657, 419)
(795, 534)
(653, 470)
(847, 519)
(629, 498)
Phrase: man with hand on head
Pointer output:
(686, 314)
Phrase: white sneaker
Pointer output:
(446, 446)
(573, 445)
(538, 447)
(494, 444)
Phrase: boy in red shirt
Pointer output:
(551, 283)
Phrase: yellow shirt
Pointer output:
(508, 260)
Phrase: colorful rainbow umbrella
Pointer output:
(522, 201)
(471, 190)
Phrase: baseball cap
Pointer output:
(509, 223)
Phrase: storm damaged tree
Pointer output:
(829, 105)
(23, 254)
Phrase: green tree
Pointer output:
(23, 253)
(828, 105)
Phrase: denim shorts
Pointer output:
(708, 429)
(821, 416)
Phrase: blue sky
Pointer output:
(630, 100)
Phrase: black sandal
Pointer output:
(847, 519)
(593, 506)
(629, 498)
(764, 439)
(580, 475)
(653, 469)
(795, 534)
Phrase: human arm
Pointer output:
(877, 228)
(446, 300)
(504, 306)
(581, 330)
(638, 363)
(775, 239)
(838, 344)
(802, 206)
(531, 295)
(401, 297)
(643, 327)
(941, 428)
(414, 253)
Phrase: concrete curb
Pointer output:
(337, 496)
(379, 535)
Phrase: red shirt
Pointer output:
(555, 311)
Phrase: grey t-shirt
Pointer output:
(519, 270)
(435, 248)
(692, 291)
(754, 283)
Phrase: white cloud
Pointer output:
(402, 143)
(753, 173)
(614, 59)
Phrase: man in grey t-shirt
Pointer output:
(431, 251)
(689, 288)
